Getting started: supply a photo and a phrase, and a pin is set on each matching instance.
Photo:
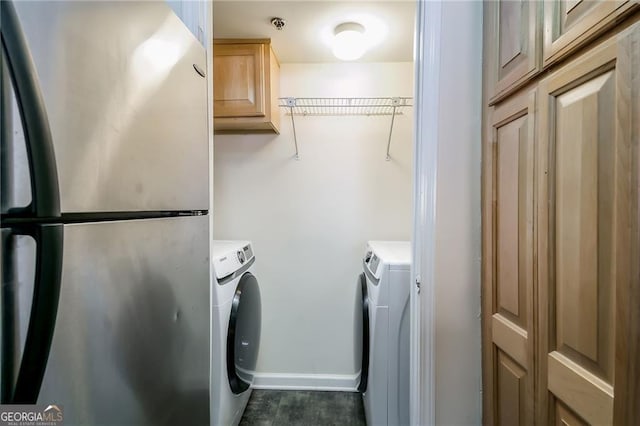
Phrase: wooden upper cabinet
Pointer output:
(569, 24)
(587, 210)
(238, 87)
(246, 77)
(515, 36)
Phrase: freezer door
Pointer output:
(18, 277)
(31, 275)
(126, 98)
(131, 343)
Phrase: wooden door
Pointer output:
(515, 40)
(570, 23)
(238, 83)
(587, 214)
(508, 308)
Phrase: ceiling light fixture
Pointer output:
(349, 42)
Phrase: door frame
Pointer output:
(425, 162)
(427, 63)
(447, 213)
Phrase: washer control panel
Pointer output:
(231, 260)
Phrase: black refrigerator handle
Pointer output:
(44, 309)
(45, 193)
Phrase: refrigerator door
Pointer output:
(126, 98)
(31, 252)
(131, 343)
(28, 169)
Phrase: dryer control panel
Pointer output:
(372, 261)
(383, 254)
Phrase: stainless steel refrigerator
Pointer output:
(104, 195)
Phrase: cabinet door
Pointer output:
(238, 83)
(587, 220)
(514, 43)
(570, 23)
(509, 318)
(193, 14)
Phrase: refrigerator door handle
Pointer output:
(45, 192)
(44, 309)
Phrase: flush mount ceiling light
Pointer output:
(349, 42)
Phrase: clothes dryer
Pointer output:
(382, 332)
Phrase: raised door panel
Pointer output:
(515, 44)
(568, 24)
(585, 213)
(584, 170)
(566, 417)
(511, 390)
(238, 84)
(510, 361)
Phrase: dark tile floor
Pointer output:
(303, 408)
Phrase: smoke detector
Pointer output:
(278, 23)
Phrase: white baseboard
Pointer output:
(320, 382)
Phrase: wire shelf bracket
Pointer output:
(345, 106)
(291, 104)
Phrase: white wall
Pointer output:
(309, 220)
(455, 278)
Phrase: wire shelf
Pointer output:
(345, 106)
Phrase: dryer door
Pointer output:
(243, 338)
(361, 334)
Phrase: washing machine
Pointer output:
(382, 332)
(235, 329)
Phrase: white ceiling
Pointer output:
(311, 23)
